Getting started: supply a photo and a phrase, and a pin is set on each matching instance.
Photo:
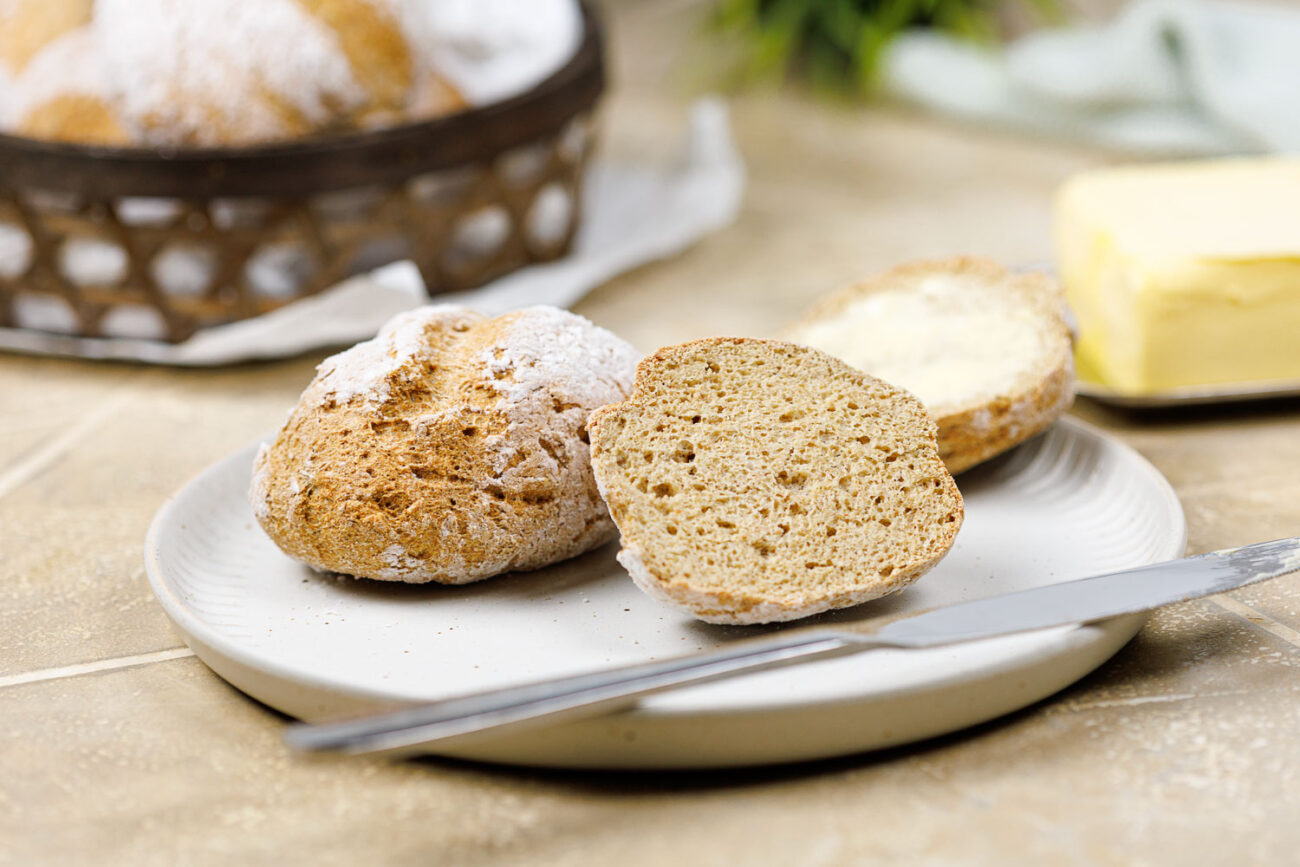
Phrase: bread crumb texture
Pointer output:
(756, 481)
(449, 448)
(986, 350)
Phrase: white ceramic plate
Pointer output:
(1070, 503)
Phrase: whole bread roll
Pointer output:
(234, 72)
(27, 26)
(450, 448)
(62, 95)
(181, 73)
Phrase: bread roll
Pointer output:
(756, 481)
(450, 448)
(61, 94)
(235, 72)
(987, 351)
(27, 26)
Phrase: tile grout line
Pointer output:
(1133, 701)
(1171, 698)
(1257, 618)
(92, 667)
(49, 454)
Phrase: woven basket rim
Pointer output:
(313, 165)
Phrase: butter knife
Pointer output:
(412, 729)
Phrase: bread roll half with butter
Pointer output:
(986, 350)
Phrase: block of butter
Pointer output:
(1184, 274)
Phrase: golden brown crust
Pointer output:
(449, 449)
(74, 117)
(375, 47)
(27, 26)
(755, 481)
(979, 428)
(377, 74)
(975, 435)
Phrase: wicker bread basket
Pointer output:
(136, 242)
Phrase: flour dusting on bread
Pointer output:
(450, 448)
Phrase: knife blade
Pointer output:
(599, 692)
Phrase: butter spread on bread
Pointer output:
(987, 351)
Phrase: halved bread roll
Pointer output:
(986, 350)
(755, 481)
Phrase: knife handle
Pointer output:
(584, 695)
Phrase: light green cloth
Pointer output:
(1168, 76)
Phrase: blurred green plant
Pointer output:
(837, 44)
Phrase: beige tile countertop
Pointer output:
(118, 746)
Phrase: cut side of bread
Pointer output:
(755, 481)
(987, 351)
